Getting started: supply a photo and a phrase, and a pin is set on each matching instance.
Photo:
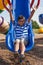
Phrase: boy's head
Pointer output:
(21, 20)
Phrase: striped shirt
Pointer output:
(21, 31)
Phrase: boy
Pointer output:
(21, 31)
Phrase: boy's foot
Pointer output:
(16, 57)
(23, 60)
(16, 54)
(22, 57)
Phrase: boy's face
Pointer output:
(21, 22)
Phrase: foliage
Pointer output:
(1, 11)
(35, 25)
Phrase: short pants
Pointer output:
(22, 40)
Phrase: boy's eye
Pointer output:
(22, 21)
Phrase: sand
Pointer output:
(35, 56)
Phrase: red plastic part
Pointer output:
(31, 3)
(9, 2)
(5, 5)
(38, 3)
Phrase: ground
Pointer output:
(35, 56)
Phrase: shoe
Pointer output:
(16, 54)
(22, 57)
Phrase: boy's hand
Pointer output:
(10, 8)
(35, 8)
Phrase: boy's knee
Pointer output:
(22, 40)
(17, 41)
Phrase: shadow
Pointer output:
(3, 62)
(3, 45)
(39, 40)
(37, 51)
(12, 57)
(17, 61)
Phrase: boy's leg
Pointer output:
(16, 54)
(22, 46)
(17, 45)
(22, 49)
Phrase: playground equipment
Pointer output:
(22, 7)
(41, 21)
(41, 30)
(4, 26)
(41, 18)
(1, 4)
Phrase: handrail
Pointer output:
(31, 3)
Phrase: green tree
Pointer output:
(1, 11)
(35, 25)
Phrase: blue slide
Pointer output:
(20, 7)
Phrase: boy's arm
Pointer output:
(11, 15)
(32, 13)
(9, 10)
